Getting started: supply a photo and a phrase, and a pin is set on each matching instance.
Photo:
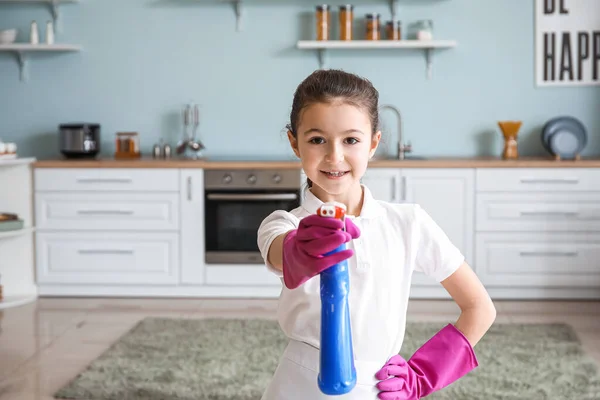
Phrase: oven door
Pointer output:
(232, 221)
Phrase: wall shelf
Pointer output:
(427, 46)
(238, 9)
(21, 49)
(53, 4)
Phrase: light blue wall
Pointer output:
(143, 59)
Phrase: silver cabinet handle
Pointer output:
(189, 188)
(394, 190)
(105, 212)
(104, 251)
(550, 253)
(550, 213)
(104, 180)
(550, 180)
(255, 197)
(403, 189)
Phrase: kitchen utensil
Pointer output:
(8, 36)
(571, 140)
(196, 121)
(191, 120)
(79, 140)
(510, 131)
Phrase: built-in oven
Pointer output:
(236, 202)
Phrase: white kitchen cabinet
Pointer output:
(105, 230)
(100, 258)
(537, 231)
(539, 259)
(447, 195)
(527, 232)
(109, 211)
(192, 226)
(106, 180)
(383, 183)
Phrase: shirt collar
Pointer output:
(370, 209)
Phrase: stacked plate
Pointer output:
(564, 137)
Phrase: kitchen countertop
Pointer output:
(434, 162)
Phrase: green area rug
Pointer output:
(221, 359)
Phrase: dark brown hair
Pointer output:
(327, 86)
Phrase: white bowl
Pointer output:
(8, 36)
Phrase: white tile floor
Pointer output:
(45, 344)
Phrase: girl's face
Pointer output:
(334, 142)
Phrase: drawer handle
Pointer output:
(104, 180)
(105, 212)
(540, 180)
(550, 253)
(550, 213)
(104, 251)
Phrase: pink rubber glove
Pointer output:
(304, 248)
(445, 358)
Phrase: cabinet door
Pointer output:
(192, 226)
(448, 196)
(383, 183)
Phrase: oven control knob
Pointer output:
(227, 178)
(251, 179)
(276, 178)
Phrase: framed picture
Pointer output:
(567, 42)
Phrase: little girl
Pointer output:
(334, 131)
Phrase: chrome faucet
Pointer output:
(402, 148)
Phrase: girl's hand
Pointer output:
(304, 248)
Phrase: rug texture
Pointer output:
(220, 359)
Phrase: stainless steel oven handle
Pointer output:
(252, 197)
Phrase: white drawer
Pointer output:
(240, 275)
(540, 259)
(537, 212)
(112, 211)
(106, 179)
(107, 258)
(537, 179)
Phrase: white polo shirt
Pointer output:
(395, 240)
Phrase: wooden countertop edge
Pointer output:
(483, 162)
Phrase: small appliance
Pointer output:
(79, 140)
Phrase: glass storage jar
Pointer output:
(346, 19)
(323, 20)
(127, 145)
(424, 29)
(373, 26)
(393, 30)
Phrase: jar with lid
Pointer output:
(393, 30)
(346, 18)
(373, 26)
(323, 21)
(127, 145)
(424, 29)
